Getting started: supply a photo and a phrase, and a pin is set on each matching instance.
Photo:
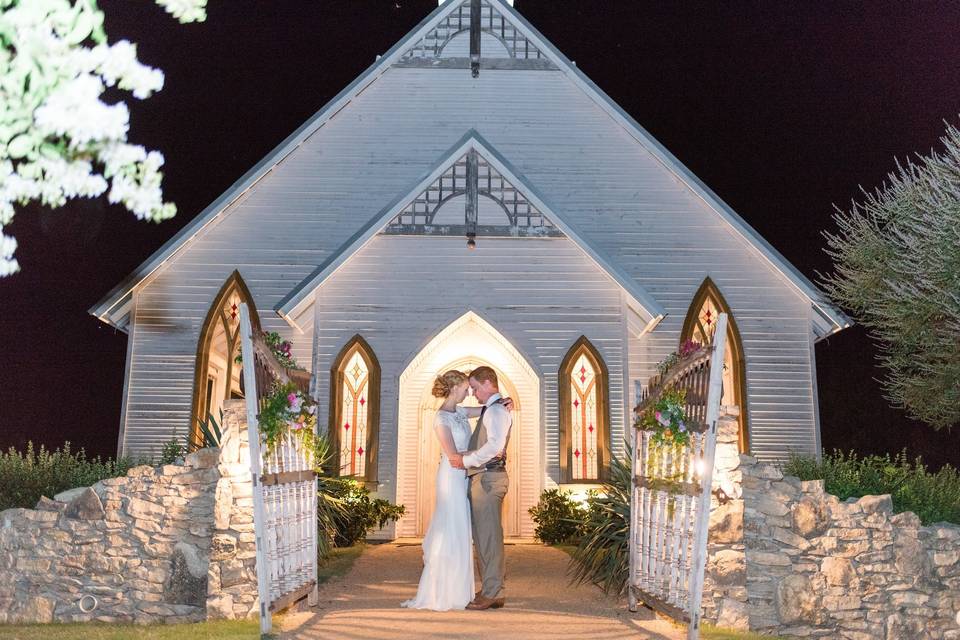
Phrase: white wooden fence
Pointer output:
(284, 490)
(670, 503)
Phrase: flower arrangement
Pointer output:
(288, 410)
(688, 348)
(280, 348)
(667, 419)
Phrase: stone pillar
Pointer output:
(232, 577)
(725, 581)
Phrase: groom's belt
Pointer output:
(497, 464)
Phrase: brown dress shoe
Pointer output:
(482, 603)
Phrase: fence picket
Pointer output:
(670, 501)
(285, 510)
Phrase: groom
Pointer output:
(486, 465)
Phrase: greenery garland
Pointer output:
(288, 410)
(280, 349)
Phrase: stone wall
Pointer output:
(787, 558)
(172, 543)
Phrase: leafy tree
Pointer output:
(58, 139)
(897, 268)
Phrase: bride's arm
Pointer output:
(446, 439)
(474, 412)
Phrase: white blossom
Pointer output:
(58, 139)
(186, 10)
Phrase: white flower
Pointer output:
(75, 111)
(185, 10)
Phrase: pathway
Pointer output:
(364, 604)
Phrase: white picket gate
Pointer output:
(284, 490)
(670, 502)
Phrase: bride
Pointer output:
(447, 579)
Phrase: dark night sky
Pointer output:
(782, 108)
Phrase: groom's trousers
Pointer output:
(487, 491)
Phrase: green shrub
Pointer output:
(602, 555)
(172, 451)
(558, 516)
(24, 477)
(934, 497)
(358, 513)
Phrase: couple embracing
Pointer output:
(471, 485)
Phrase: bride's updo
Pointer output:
(445, 382)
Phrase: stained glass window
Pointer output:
(700, 326)
(356, 384)
(584, 438)
(355, 402)
(583, 424)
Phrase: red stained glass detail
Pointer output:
(577, 453)
(709, 317)
(590, 428)
(362, 402)
(576, 402)
(233, 311)
(347, 426)
(360, 451)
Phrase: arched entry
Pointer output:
(465, 344)
(217, 377)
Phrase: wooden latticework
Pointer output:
(492, 22)
(284, 488)
(670, 503)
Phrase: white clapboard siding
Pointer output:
(588, 168)
(398, 292)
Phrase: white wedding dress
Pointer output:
(447, 579)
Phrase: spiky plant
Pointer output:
(602, 557)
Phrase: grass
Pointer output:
(709, 632)
(219, 630)
(339, 562)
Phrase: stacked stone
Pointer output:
(725, 580)
(126, 549)
(820, 567)
(172, 543)
(233, 556)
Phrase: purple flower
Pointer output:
(682, 426)
(662, 419)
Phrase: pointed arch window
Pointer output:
(355, 409)
(218, 376)
(584, 415)
(700, 326)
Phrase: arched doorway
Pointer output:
(700, 325)
(218, 374)
(465, 344)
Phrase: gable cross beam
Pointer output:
(473, 198)
(475, 38)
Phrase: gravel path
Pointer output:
(364, 604)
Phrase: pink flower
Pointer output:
(296, 426)
(292, 398)
(662, 419)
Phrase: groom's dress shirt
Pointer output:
(497, 421)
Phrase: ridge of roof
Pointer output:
(827, 318)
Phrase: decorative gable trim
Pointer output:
(472, 176)
(298, 300)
